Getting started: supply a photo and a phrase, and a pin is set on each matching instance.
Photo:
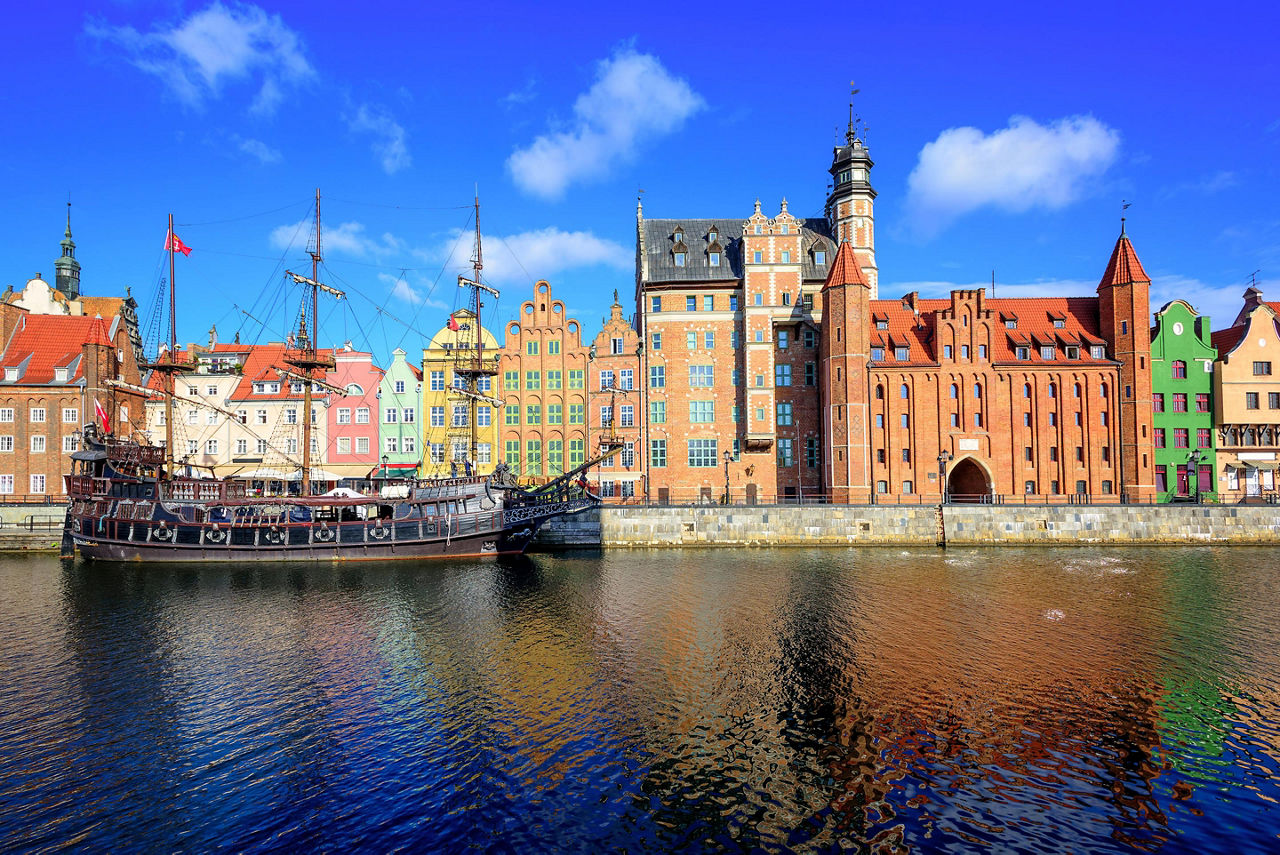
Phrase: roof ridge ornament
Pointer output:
(851, 135)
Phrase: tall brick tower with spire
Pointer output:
(1124, 318)
(843, 355)
(67, 269)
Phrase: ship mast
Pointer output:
(169, 365)
(305, 358)
(469, 361)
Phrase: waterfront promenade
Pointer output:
(33, 528)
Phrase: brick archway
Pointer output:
(968, 481)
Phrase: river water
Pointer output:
(1021, 700)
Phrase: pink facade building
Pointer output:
(352, 450)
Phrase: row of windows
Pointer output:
(70, 443)
(1182, 436)
(37, 484)
(553, 347)
(904, 391)
(1180, 401)
(532, 461)
(1027, 452)
(533, 379)
(555, 414)
(1251, 400)
(39, 415)
(1029, 487)
(902, 353)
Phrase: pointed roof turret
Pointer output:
(66, 268)
(1124, 268)
(98, 336)
(846, 269)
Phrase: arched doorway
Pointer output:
(968, 482)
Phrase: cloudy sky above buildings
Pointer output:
(1005, 140)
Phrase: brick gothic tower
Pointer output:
(99, 366)
(849, 206)
(1124, 318)
(846, 313)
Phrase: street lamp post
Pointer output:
(385, 460)
(728, 455)
(944, 457)
(1193, 474)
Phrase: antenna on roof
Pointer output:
(1253, 278)
(1124, 206)
(993, 282)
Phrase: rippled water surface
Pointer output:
(882, 700)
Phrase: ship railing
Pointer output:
(192, 490)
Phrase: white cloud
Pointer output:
(530, 255)
(257, 148)
(401, 290)
(633, 100)
(218, 44)
(1026, 165)
(390, 142)
(348, 238)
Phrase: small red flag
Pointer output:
(175, 243)
(102, 416)
(453, 324)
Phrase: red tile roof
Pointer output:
(41, 343)
(1124, 266)
(1034, 316)
(1225, 340)
(846, 269)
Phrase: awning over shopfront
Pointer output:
(394, 470)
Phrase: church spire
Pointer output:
(66, 268)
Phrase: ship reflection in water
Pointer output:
(1020, 700)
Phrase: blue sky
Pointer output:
(1005, 138)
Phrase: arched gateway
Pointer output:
(968, 482)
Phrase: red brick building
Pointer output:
(774, 373)
(1045, 398)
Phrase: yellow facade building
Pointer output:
(460, 432)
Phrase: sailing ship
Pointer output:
(131, 501)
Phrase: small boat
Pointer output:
(128, 501)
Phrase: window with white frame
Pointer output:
(362, 445)
(70, 415)
(362, 415)
(211, 418)
(37, 483)
(437, 416)
(70, 443)
(409, 415)
(6, 444)
(242, 416)
(261, 446)
(392, 445)
(390, 415)
(6, 414)
(37, 443)
(344, 415)
(408, 445)
(211, 446)
(399, 387)
(242, 446)
(6, 484)
(344, 445)
(290, 416)
(260, 416)
(437, 381)
(193, 446)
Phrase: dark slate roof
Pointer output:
(661, 266)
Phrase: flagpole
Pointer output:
(168, 375)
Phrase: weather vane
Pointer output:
(853, 90)
(1124, 206)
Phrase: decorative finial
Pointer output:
(850, 136)
(784, 204)
(757, 205)
(1124, 206)
(615, 296)
(68, 215)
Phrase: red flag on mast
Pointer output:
(453, 324)
(175, 243)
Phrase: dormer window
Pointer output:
(1059, 323)
(60, 375)
(679, 236)
(882, 324)
(11, 374)
(1047, 351)
(713, 259)
(679, 256)
(1098, 351)
(819, 255)
(1073, 352)
(902, 354)
(1011, 323)
(713, 235)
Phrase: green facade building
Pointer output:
(1182, 358)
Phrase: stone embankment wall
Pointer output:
(977, 525)
(27, 527)
(958, 525)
